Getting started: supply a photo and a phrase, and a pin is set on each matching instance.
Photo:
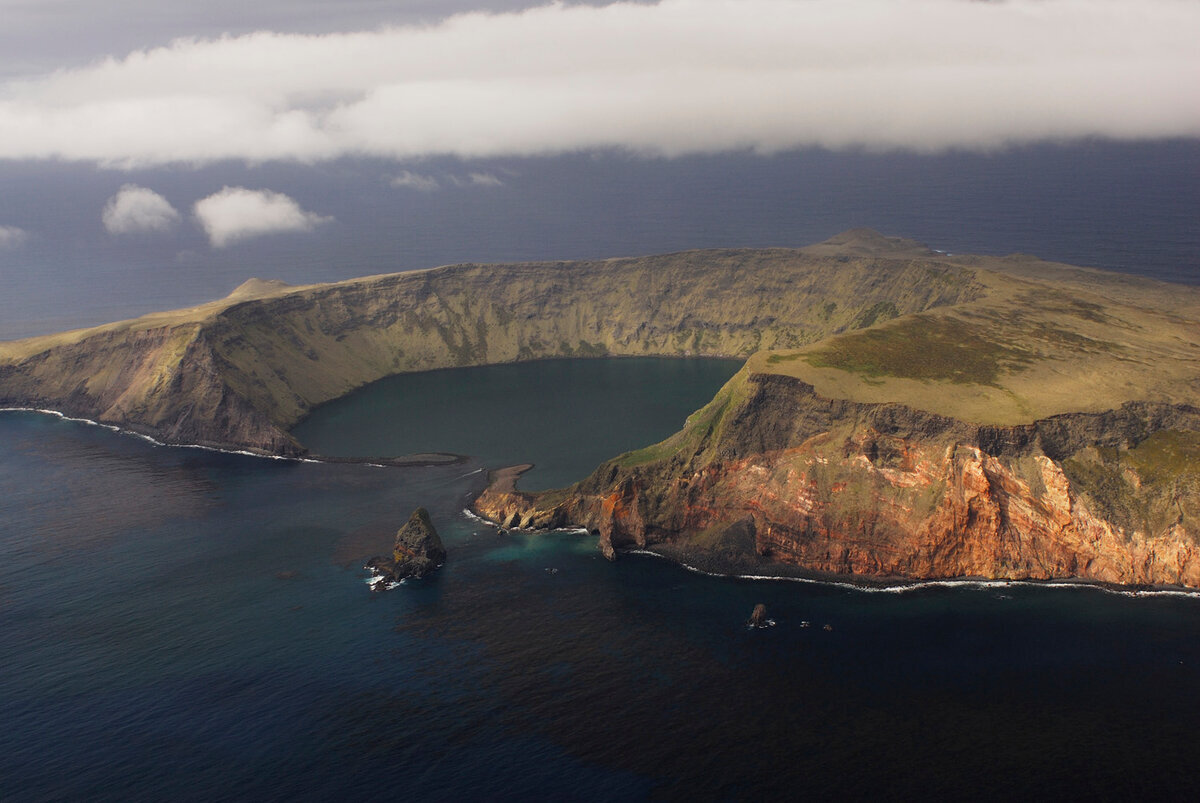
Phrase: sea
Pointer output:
(178, 623)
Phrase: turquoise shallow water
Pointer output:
(178, 623)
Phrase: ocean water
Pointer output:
(184, 624)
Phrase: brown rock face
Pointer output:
(885, 491)
(416, 552)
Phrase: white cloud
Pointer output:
(138, 209)
(679, 76)
(236, 213)
(12, 236)
(477, 180)
(484, 180)
(415, 181)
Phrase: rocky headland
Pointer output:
(902, 413)
(787, 478)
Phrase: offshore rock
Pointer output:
(417, 551)
(758, 617)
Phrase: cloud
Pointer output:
(12, 236)
(415, 181)
(137, 209)
(236, 213)
(484, 180)
(676, 77)
(477, 180)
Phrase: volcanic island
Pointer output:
(902, 413)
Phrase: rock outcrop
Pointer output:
(417, 551)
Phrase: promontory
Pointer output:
(902, 413)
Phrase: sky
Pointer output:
(467, 96)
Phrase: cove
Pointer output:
(565, 416)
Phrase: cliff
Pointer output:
(901, 413)
(1043, 429)
(786, 477)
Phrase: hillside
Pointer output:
(242, 372)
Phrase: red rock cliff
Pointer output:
(887, 491)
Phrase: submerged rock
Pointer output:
(416, 552)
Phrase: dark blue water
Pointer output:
(182, 624)
(1132, 207)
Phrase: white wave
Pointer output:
(904, 588)
(61, 415)
(469, 473)
(152, 440)
(475, 517)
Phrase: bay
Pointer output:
(563, 416)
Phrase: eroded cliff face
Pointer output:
(886, 491)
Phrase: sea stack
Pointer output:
(758, 617)
(417, 550)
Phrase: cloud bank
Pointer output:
(12, 236)
(236, 213)
(678, 77)
(138, 209)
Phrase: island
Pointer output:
(902, 412)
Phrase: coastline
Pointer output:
(503, 480)
(401, 461)
(903, 586)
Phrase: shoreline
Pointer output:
(903, 586)
(503, 480)
(426, 459)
